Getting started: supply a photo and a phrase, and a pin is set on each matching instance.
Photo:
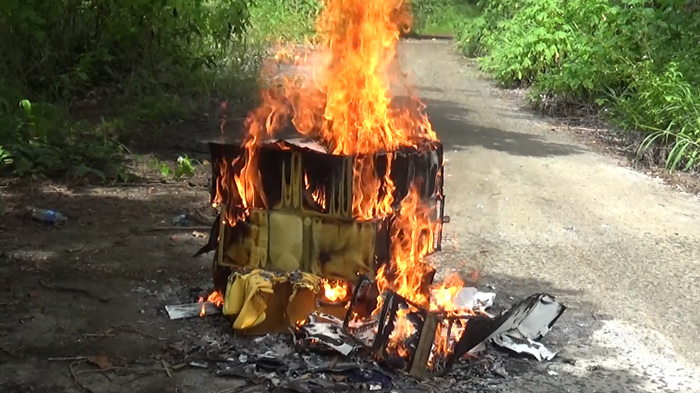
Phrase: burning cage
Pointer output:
(357, 205)
(304, 216)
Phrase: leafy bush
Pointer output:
(635, 57)
(57, 53)
(65, 46)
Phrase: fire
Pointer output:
(412, 233)
(215, 297)
(335, 291)
(346, 105)
(318, 194)
(444, 294)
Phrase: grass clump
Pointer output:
(441, 17)
(286, 21)
(636, 59)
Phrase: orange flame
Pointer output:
(412, 235)
(335, 291)
(215, 297)
(318, 194)
(346, 104)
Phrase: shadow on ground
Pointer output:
(450, 122)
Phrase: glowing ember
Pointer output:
(335, 291)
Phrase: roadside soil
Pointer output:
(532, 209)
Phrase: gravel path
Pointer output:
(535, 210)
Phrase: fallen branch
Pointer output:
(189, 228)
(131, 329)
(86, 335)
(72, 358)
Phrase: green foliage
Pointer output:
(65, 46)
(636, 58)
(5, 158)
(132, 54)
(441, 16)
(184, 168)
(284, 20)
(34, 147)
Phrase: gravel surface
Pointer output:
(534, 210)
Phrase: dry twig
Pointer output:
(167, 369)
(72, 358)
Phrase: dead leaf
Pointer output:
(33, 294)
(101, 361)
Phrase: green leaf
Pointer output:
(26, 105)
(164, 169)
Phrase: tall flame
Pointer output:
(346, 105)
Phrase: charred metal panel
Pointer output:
(306, 190)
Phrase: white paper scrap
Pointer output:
(326, 329)
(470, 298)
(517, 343)
(181, 311)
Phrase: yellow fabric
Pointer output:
(286, 241)
(302, 301)
(246, 296)
(341, 249)
(250, 251)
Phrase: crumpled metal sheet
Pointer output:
(526, 323)
(517, 329)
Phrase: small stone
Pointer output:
(500, 371)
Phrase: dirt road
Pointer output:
(537, 211)
(532, 209)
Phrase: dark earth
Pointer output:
(534, 209)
